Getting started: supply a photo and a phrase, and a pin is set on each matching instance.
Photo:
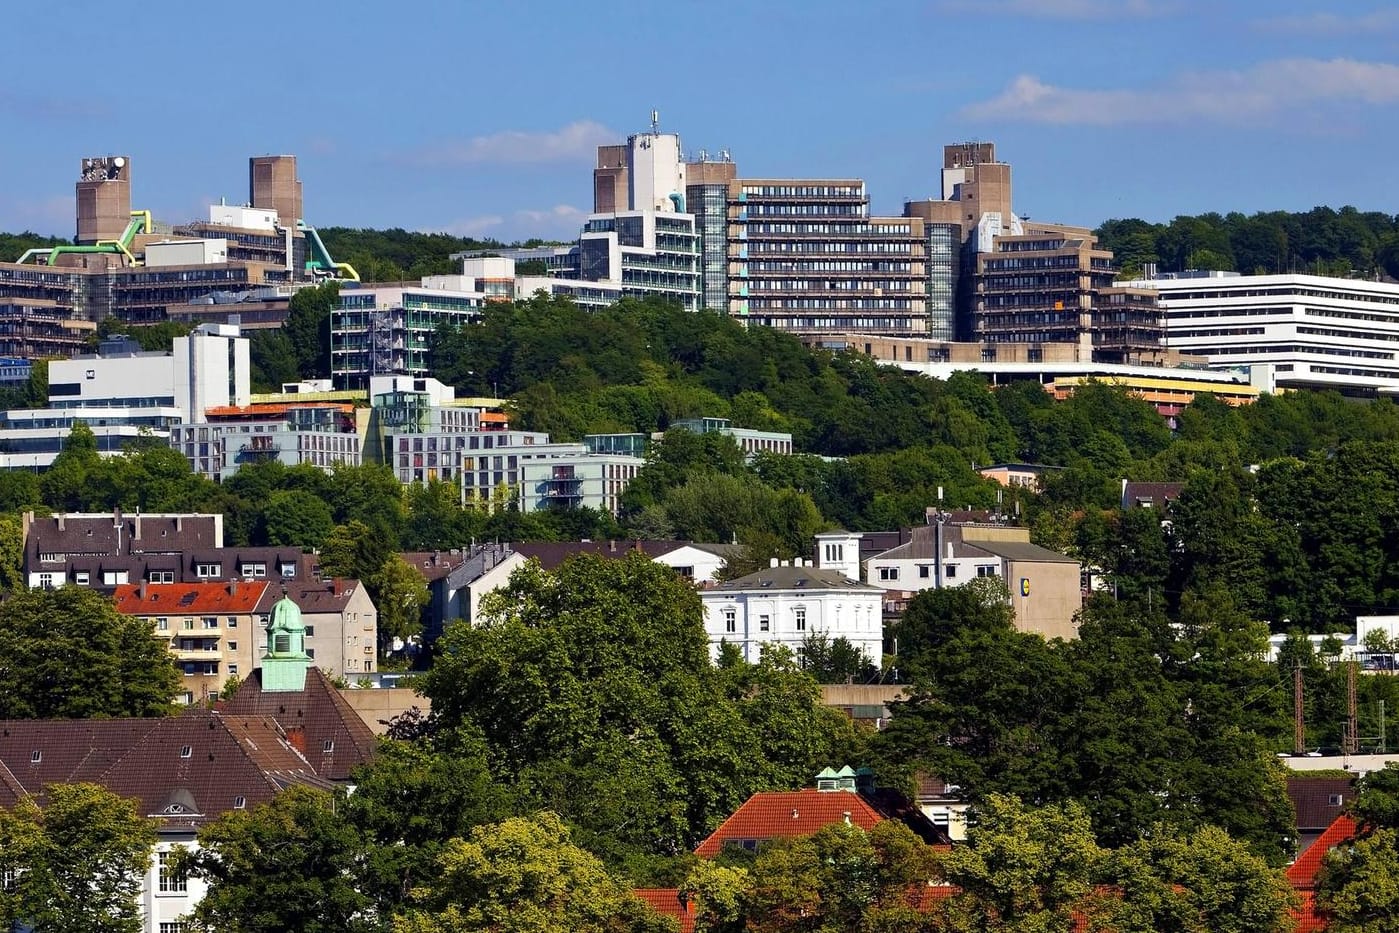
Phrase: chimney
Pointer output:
(233, 587)
(794, 813)
(60, 521)
(335, 585)
(141, 591)
(179, 523)
(612, 546)
(136, 527)
(847, 817)
(774, 562)
(296, 738)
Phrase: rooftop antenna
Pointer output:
(655, 122)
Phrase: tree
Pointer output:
(76, 865)
(297, 518)
(65, 483)
(68, 653)
(400, 594)
(11, 555)
(836, 661)
(1022, 868)
(1359, 885)
(1201, 881)
(308, 328)
(594, 692)
(841, 878)
(414, 798)
(290, 864)
(525, 875)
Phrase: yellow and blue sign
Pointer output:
(1024, 586)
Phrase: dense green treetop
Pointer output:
(68, 653)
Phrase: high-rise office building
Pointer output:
(707, 197)
(806, 256)
(1021, 282)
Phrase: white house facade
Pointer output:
(786, 604)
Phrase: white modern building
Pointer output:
(1287, 330)
(123, 393)
(787, 603)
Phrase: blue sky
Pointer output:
(482, 118)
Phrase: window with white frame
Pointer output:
(986, 570)
(950, 571)
(173, 879)
(764, 623)
(888, 573)
(799, 618)
(730, 620)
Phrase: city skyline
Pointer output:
(483, 121)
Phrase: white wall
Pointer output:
(186, 253)
(852, 614)
(703, 565)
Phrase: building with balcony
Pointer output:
(213, 630)
(323, 434)
(805, 255)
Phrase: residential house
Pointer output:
(1149, 495)
(73, 547)
(1046, 588)
(457, 579)
(214, 630)
(785, 604)
(843, 796)
(1020, 475)
(342, 624)
(1318, 800)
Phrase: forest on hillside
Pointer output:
(1321, 241)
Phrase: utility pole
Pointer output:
(1351, 743)
(1299, 728)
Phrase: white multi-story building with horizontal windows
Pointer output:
(1289, 331)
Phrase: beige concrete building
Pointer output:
(103, 198)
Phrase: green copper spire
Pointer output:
(285, 663)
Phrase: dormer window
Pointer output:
(186, 751)
(240, 802)
(329, 746)
(36, 756)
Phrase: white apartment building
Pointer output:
(787, 603)
(123, 393)
(1288, 331)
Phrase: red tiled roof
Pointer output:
(1306, 916)
(789, 813)
(666, 902)
(152, 599)
(1302, 873)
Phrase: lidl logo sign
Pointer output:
(1024, 586)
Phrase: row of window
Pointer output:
(925, 572)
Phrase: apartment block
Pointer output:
(214, 630)
(806, 256)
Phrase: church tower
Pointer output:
(285, 663)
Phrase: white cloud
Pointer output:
(560, 222)
(1060, 9)
(473, 227)
(575, 142)
(1314, 24)
(1248, 95)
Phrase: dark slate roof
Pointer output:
(313, 719)
(1022, 550)
(1136, 495)
(194, 767)
(434, 565)
(794, 578)
(95, 534)
(1312, 798)
(182, 770)
(551, 554)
